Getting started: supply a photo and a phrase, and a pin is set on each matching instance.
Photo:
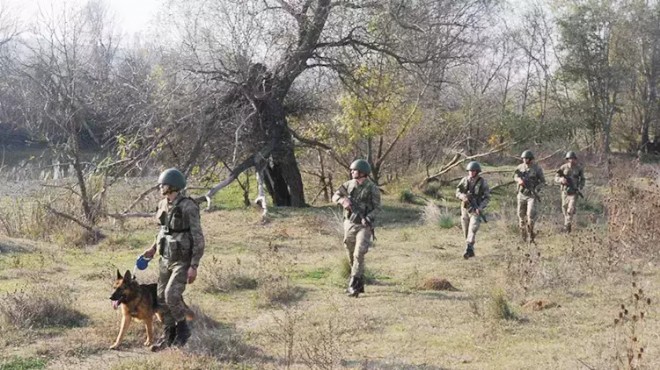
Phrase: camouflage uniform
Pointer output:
(180, 245)
(569, 196)
(528, 197)
(365, 202)
(470, 221)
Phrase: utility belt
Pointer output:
(176, 247)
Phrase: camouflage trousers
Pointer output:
(172, 280)
(470, 223)
(526, 210)
(357, 240)
(568, 207)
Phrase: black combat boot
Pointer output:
(182, 333)
(469, 251)
(354, 286)
(567, 228)
(166, 339)
(531, 233)
(361, 285)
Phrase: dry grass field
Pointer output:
(270, 295)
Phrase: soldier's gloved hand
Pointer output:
(521, 182)
(346, 203)
(149, 253)
(192, 274)
(563, 181)
(463, 197)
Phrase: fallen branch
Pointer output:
(138, 200)
(502, 185)
(457, 160)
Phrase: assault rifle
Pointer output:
(570, 185)
(356, 217)
(472, 201)
(527, 183)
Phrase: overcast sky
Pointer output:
(130, 15)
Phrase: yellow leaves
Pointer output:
(374, 106)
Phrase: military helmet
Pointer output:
(527, 154)
(571, 155)
(361, 165)
(172, 177)
(473, 166)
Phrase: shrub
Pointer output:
(43, 307)
(500, 307)
(225, 278)
(433, 190)
(434, 215)
(406, 196)
(279, 291)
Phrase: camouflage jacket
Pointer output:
(576, 173)
(476, 186)
(180, 220)
(534, 176)
(365, 198)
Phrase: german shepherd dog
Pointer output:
(137, 301)
(140, 302)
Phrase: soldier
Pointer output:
(360, 198)
(180, 245)
(571, 177)
(529, 177)
(474, 193)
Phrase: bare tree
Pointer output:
(255, 51)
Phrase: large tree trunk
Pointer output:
(287, 185)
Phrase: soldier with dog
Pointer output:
(180, 244)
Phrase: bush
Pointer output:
(43, 307)
(500, 307)
(406, 196)
(279, 291)
(225, 278)
(447, 221)
(433, 215)
(433, 190)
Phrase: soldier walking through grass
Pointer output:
(360, 199)
(180, 245)
(474, 193)
(571, 178)
(529, 177)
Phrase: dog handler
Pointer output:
(180, 244)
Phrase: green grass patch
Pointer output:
(20, 363)
(231, 197)
(316, 274)
(446, 221)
